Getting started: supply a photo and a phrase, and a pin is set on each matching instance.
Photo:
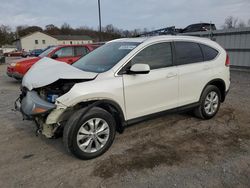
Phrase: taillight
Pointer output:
(227, 63)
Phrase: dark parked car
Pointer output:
(36, 52)
(199, 27)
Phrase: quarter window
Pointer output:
(208, 52)
(81, 51)
(156, 56)
(188, 52)
(65, 52)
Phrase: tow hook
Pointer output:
(38, 128)
(17, 105)
(38, 132)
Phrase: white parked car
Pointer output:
(123, 82)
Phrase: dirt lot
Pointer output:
(171, 151)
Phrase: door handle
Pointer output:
(171, 74)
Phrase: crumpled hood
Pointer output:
(47, 71)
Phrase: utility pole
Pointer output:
(100, 20)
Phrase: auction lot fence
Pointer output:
(235, 41)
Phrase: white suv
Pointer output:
(120, 83)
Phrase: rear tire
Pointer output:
(209, 103)
(89, 135)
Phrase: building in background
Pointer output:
(36, 40)
(73, 39)
(40, 40)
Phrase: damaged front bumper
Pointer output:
(32, 105)
(46, 116)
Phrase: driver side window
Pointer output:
(156, 56)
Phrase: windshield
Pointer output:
(105, 57)
(46, 52)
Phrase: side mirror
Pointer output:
(54, 56)
(139, 69)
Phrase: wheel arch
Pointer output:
(110, 106)
(220, 84)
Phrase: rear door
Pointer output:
(153, 92)
(65, 54)
(80, 51)
(194, 73)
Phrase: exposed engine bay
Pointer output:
(51, 92)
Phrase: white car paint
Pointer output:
(149, 93)
(137, 95)
(109, 88)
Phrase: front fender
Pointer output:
(105, 89)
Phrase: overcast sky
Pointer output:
(125, 14)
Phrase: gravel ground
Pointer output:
(172, 151)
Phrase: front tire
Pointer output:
(90, 135)
(209, 103)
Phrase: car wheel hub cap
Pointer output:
(211, 103)
(93, 135)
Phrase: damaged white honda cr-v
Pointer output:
(120, 83)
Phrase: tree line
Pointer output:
(109, 32)
(234, 22)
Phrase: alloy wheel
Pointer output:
(211, 103)
(93, 135)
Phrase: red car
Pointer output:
(15, 53)
(65, 53)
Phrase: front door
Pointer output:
(156, 91)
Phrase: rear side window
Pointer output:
(187, 52)
(156, 56)
(81, 51)
(208, 52)
(65, 52)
